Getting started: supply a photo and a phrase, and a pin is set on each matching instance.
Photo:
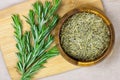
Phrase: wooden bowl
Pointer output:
(90, 10)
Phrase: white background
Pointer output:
(109, 69)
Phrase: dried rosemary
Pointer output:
(84, 36)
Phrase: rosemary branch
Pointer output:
(33, 46)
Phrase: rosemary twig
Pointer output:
(33, 46)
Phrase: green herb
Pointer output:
(33, 46)
(85, 36)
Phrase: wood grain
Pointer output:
(7, 43)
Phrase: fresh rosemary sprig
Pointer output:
(33, 46)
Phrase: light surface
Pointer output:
(108, 69)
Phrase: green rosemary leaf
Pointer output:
(49, 41)
(46, 8)
(54, 8)
(19, 66)
(18, 26)
(38, 8)
(33, 46)
(31, 17)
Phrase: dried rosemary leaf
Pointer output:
(84, 36)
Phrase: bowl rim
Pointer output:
(99, 13)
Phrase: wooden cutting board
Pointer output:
(7, 43)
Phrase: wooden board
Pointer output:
(7, 43)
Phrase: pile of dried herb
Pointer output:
(84, 36)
